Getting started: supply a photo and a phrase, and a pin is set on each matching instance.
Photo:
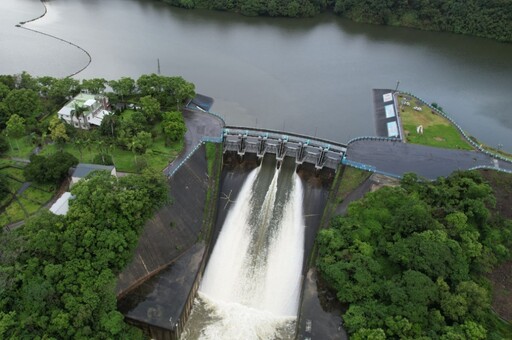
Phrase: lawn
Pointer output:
(30, 206)
(13, 213)
(13, 185)
(351, 179)
(158, 156)
(36, 195)
(20, 147)
(32, 199)
(437, 130)
(13, 172)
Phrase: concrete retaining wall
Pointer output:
(174, 229)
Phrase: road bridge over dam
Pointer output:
(321, 153)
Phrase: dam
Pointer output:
(176, 246)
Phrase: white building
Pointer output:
(61, 206)
(95, 107)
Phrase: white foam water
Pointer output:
(251, 286)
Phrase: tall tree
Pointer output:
(15, 128)
(173, 126)
(150, 107)
(123, 87)
(182, 90)
(94, 85)
(58, 131)
(23, 102)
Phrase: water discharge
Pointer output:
(251, 286)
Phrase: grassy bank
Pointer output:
(352, 178)
(214, 159)
(437, 130)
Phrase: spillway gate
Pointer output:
(305, 149)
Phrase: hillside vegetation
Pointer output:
(57, 273)
(489, 19)
(410, 261)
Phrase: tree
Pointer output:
(23, 102)
(173, 126)
(58, 131)
(63, 89)
(108, 125)
(49, 170)
(167, 90)
(151, 84)
(404, 259)
(123, 87)
(182, 90)
(4, 91)
(141, 141)
(94, 85)
(150, 107)
(58, 272)
(15, 127)
(78, 112)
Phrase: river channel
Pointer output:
(311, 76)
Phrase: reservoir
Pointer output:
(311, 76)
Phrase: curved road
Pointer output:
(429, 162)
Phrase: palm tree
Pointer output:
(78, 112)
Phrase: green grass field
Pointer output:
(16, 173)
(32, 199)
(20, 147)
(36, 195)
(14, 212)
(158, 156)
(30, 206)
(351, 179)
(437, 130)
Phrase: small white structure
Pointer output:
(61, 206)
(94, 107)
(84, 169)
(387, 97)
(392, 129)
(390, 110)
(419, 129)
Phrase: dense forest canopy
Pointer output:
(490, 19)
(58, 273)
(410, 261)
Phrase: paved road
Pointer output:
(399, 158)
(199, 125)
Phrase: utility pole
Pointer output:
(158, 62)
(397, 83)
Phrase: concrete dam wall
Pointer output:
(174, 228)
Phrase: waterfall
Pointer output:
(251, 286)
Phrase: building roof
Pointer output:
(81, 99)
(61, 206)
(99, 118)
(90, 102)
(84, 169)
